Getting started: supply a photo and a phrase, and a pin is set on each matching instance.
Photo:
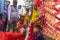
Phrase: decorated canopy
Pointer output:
(51, 11)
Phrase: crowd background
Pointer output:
(16, 20)
(29, 22)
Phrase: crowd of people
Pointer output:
(14, 20)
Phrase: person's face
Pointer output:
(35, 7)
(19, 6)
(7, 3)
(15, 4)
(27, 11)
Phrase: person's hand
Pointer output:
(22, 30)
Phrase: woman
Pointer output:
(37, 35)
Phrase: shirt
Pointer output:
(20, 12)
(12, 13)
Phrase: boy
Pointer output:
(37, 35)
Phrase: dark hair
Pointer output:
(8, 1)
(19, 5)
(27, 9)
(15, 1)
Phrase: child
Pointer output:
(37, 35)
(20, 10)
(26, 16)
(20, 25)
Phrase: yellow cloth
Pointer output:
(26, 17)
(35, 15)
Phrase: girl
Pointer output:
(20, 25)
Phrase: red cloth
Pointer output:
(11, 36)
(3, 36)
(14, 36)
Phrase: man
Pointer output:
(20, 11)
(6, 16)
(12, 15)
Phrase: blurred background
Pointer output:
(25, 4)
